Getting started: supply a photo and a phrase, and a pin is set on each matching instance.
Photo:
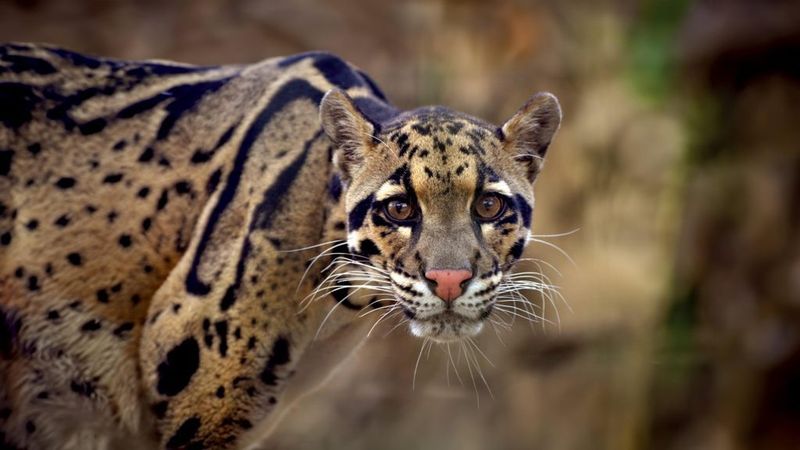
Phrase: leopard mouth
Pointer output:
(447, 326)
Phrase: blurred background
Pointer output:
(678, 163)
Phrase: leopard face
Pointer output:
(439, 205)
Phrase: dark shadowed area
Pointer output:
(673, 186)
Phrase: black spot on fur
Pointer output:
(121, 330)
(162, 200)
(22, 63)
(33, 283)
(113, 178)
(92, 126)
(91, 325)
(421, 129)
(102, 296)
(220, 392)
(177, 369)
(53, 315)
(222, 332)
(5, 238)
(160, 409)
(35, 148)
(125, 241)
(120, 145)
(183, 187)
(32, 224)
(30, 427)
(62, 221)
(18, 100)
(82, 388)
(146, 223)
(279, 357)
(185, 433)
(6, 157)
(516, 250)
(213, 181)
(147, 155)
(74, 258)
(368, 248)
(65, 182)
(143, 192)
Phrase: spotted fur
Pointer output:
(150, 216)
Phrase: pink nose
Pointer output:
(448, 282)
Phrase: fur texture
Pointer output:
(151, 287)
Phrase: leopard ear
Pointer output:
(528, 134)
(348, 128)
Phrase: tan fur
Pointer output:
(151, 286)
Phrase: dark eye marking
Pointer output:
(356, 217)
(509, 219)
(516, 250)
(524, 209)
(368, 248)
(379, 221)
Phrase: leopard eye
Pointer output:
(489, 206)
(400, 209)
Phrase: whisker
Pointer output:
(416, 366)
(339, 241)
(559, 249)
(567, 233)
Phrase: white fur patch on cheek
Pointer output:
(353, 239)
(404, 232)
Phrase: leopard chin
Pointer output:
(446, 327)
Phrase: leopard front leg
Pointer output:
(215, 357)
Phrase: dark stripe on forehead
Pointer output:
(292, 90)
(398, 175)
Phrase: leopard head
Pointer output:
(439, 204)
